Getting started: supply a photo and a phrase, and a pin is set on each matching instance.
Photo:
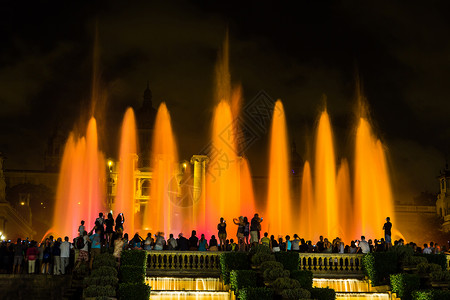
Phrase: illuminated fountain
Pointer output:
(124, 202)
(306, 203)
(278, 211)
(81, 185)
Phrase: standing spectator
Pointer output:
(119, 222)
(118, 247)
(288, 243)
(426, 249)
(46, 257)
(281, 244)
(18, 255)
(65, 254)
(83, 246)
(296, 243)
(56, 252)
(95, 240)
(31, 256)
(81, 228)
(109, 222)
(136, 242)
(246, 232)
(387, 232)
(320, 245)
(172, 243)
(213, 244)
(160, 241)
(193, 241)
(274, 244)
(265, 240)
(202, 243)
(183, 243)
(148, 243)
(255, 228)
(240, 231)
(99, 224)
(222, 233)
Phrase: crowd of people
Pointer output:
(58, 257)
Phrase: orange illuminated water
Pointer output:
(222, 178)
(158, 214)
(325, 195)
(373, 196)
(246, 189)
(124, 202)
(278, 209)
(345, 202)
(306, 219)
(81, 185)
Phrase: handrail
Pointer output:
(331, 262)
(201, 261)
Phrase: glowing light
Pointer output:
(42, 203)
(110, 163)
(22, 203)
(184, 166)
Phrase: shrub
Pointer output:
(136, 291)
(404, 284)
(379, 265)
(106, 280)
(99, 290)
(104, 259)
(273, 274)
(305, 278)
(290, 260)
(261, 257)
(402, 251)
(270, 265)
(440, 276)
(427, 268)
(284, 283)
(242, 278)
(296, 294)
(323, 294)
(232, 261)
(132, 274)
(439, 259)
(412, 260)
(104, 271)
(259, 249)
(134, 258)
(431, 295)
(255, 293)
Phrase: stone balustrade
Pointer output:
(320, 263)
(183, 262)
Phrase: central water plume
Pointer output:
(326, 209)
(373, 197)
(307, 218)
(345, 202)
(159, 210)
(278, 210)
(80, 193)
(124, 202)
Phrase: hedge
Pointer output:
(232, 261)
(284, 283)
(132, 274)
(431, 295)
(275, 273)
(403, 284)
(270, 265)
(255, 293)
(296, 294)
(99, 290)
(134, 258)
(104, 271)
(242, 278)
(439, 259)
(379, 265)
(323, 294)
(136, 291)
(104, 259)
(105, 280)
(305, 277)
(261, 257)
(290, 260)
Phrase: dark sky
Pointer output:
(294, 52)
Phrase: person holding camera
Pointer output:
(255, 229)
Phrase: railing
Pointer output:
(175, 262)
(331, 263)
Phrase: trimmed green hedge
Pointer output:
(255, 293)
(103, 260)
(136, 291)
(323, 294)
(290, 260)
(379, 265)
(284, 283)
(403, 284)
(261, 257)
(439, 259)
(134, 258)
(232, 261)
(270, 265)
(99, 290)
(305, 277)
(275, 273)
(105, 280)
(132, 274)
(431, 295)
(104, 271)
(296, 294)
(242, 278)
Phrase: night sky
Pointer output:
(297, 53)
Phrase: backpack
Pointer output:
(80, 243)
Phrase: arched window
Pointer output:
(145, 188)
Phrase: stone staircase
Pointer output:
(34, 286)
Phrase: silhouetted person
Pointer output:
(387, 232)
